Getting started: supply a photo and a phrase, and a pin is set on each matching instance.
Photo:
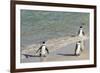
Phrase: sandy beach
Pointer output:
(64, 51)
(58, 29)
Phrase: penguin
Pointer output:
(43, 50)
(81, 32)
(78, 48)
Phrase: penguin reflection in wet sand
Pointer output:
(78, 48)
(43, 50)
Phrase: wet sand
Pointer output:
(64, 53)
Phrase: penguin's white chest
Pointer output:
(78, 48)
(81, 33)
(43, 50)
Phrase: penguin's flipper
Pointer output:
(47, 50)
(83, 33)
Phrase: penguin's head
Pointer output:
(43, 43)
(81, 27)
(79, 41)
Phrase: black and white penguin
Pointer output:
(78, 48)
(81, 32)
(43, 50)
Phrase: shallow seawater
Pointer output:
(37, 26)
